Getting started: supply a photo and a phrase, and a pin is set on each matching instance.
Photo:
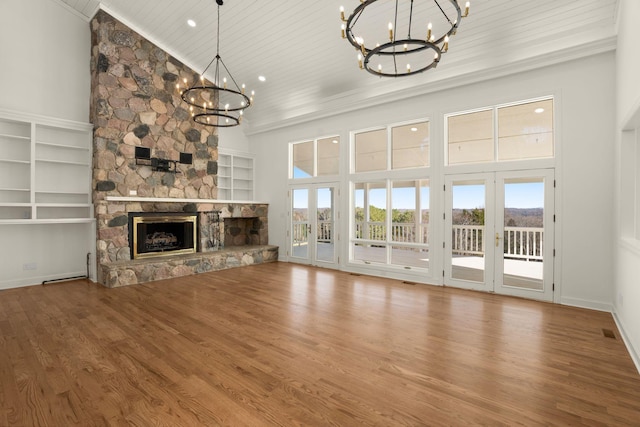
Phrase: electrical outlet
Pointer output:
(30, 266)
(133, 192)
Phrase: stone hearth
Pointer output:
(124, 273)
(116, 268)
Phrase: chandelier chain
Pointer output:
(443, 12)
(216, 103)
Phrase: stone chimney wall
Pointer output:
(135, 103)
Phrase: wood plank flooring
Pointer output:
(284, 344)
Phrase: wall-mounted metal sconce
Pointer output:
(143, 157)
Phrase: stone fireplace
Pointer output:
(134, 104)
(246, 223)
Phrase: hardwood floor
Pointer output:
(284, 344)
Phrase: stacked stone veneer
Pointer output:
(134, 103)
(116, 268)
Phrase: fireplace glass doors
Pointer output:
(152, 235)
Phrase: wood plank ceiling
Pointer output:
(311, 72)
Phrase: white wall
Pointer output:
(584, 91)
(233, 138)
(626, 293)
(45, 54)
(45, 51)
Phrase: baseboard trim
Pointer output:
(36, 280)
(583, 303)
(627, 342)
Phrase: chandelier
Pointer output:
(387, 26)
(221, 103)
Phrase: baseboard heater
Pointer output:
(64, 279)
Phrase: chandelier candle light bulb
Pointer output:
(442, 19)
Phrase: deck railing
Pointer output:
(519, 242)
(523, 243)
(400, 231)
(301, 232)
(467, 239)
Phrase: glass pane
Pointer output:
(370, 253)
(328, 152)
(523, 233)
(410, 146)
(302, 160)
(525, 131)
(470, 138)
(467, 234)
(404, 226)
(423, 231)
(375, 228)
(371, 151)
(410, 257)
(300, 223)
(358, 210)
(325, 246)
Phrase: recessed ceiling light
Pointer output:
(262, 78)
(414, 129)
(335, 141)
(191, 22)
(538, 110)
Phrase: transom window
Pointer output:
(319, 157)
(396, 147)
(504, 133)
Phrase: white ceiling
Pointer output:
(311, 72)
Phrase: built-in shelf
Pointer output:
(235, 174)
(24, 138)
(62, 146)
(26, 162)
(45, 170)
(47, 221)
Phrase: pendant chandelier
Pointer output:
(391, 50)
(218, 104)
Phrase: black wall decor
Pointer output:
(143, 157)
(143, 153)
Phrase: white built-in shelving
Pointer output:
(235, 175)
(45, 170)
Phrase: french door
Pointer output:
(313, 232)
(499, 232)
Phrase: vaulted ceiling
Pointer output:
(312, 72)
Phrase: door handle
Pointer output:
(497, 239)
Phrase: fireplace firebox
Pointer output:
(162, 234)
